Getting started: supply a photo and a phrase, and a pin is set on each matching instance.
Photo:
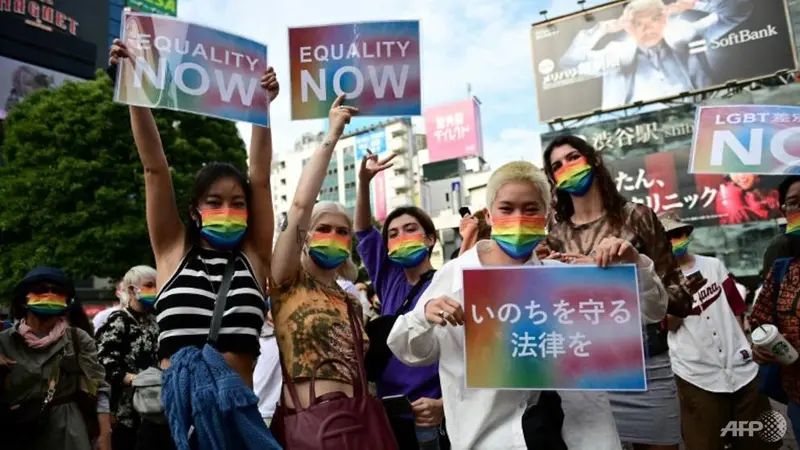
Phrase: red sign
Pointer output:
(453, 131)
(41, 14)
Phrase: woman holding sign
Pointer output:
(518, 197)
(318, 325)
(589, 212)
(228, 240)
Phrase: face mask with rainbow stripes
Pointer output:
(223, 228)
(329, 250)
(793, 223)
(519, 235)
(680, 245)
(47, 304)
(408, 250)
(146, 296)
(575, 177)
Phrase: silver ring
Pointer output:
(441, 313)
(340, 106)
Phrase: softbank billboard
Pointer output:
(454, 130)
(642, 51)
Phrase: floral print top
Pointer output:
(127, 343)
(312, 325)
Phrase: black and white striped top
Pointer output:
(185, 305)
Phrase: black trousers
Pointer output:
(154, 436)
(124, 438)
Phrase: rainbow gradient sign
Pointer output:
(375, 64)
(553, 327)
(186, 67)
(752, 139)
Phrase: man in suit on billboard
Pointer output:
(661, 55)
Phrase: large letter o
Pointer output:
(205, 81)
(337, 82)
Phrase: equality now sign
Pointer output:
(186, 67)
(375, 64)
(750, 139)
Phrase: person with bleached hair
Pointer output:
(518, 198)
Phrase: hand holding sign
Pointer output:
(118, 51)
(270, 82)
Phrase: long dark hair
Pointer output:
(613, 201)
(205, 178)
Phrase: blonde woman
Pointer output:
(126, 345)
(517, 193)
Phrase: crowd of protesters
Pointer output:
(231, 342)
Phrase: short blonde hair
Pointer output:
(516, 172)
(134, 277)
(348, 269)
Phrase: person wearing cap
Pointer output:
(713, 364)
(43, 350)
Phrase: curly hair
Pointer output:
(613, 201)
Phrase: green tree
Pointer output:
(72, 188)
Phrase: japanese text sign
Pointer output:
(453, 131)
(750, 139)
(553, 327)
(186, 67)
(375, 64)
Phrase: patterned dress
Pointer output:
(127, 343)
(311, 324)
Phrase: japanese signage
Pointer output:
(374, 141)
(553, 327)
(747, 139)
(18, 80)
(44, 15)
(165, 7)
(625, 53)
(453, 131)
(186, 67)
(654, 131)
(376, 64)
(661, 182)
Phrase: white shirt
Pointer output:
(710, 349)
(267, 377)
(101, 318)
(489, 418)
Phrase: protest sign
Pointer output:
(753, 139)
(376, 64)
(553, 327)
(186, 67)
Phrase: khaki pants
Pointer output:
(705, 414)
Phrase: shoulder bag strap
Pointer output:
(424, 278)
(779, 268)
(222, 298)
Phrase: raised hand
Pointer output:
(371, 166)
(118, 51)
(340, 115)
(468, 228)
(269, 81)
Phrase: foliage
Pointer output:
(72, 189)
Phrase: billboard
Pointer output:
(18, 80)
(165, 7)
(453, 130)
(630, 52)
(661, 181)
(374, 141)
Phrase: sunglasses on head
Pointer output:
(39, 289)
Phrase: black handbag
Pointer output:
(378, 330)
(32, 415)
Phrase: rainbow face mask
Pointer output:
(147, 296)
(47, 304)
(223, 228)
(680, 245)
(793, 223)
(329, 250)
(408, 250)
(575, 177)
(518, 236)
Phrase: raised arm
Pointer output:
(370, 166)
(290, 242)
(262, 217)
(167, 232)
